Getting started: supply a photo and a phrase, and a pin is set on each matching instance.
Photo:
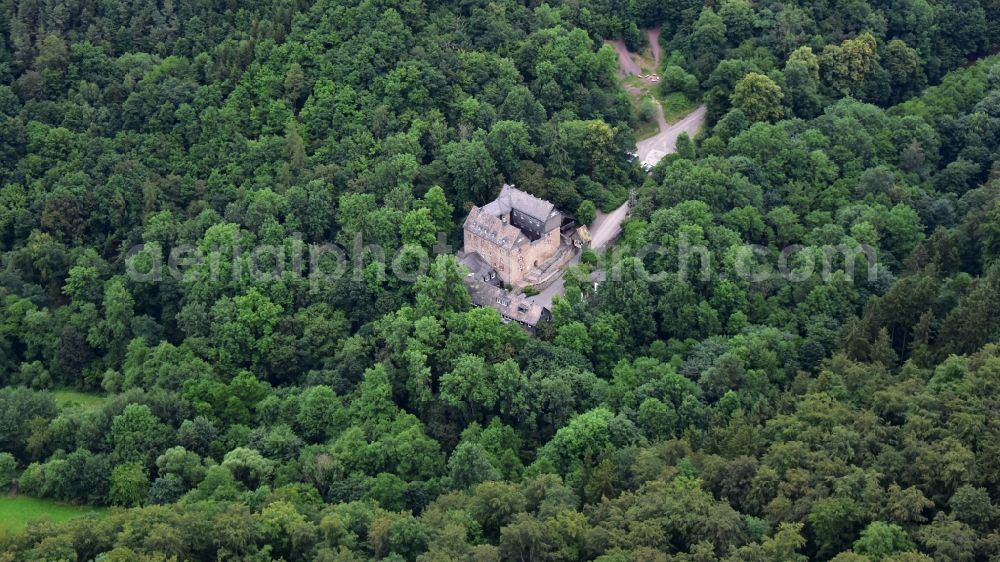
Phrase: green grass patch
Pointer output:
(87, 400)
(15, 512)
(636, 82)
(676, 106)
(643, 129)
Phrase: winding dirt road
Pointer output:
(626, 64)
(654, 44)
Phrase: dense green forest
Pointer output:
(842, 408)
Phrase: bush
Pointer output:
(8, 467)
(166, 489)
(586, 212)
(32, 481)
(647, 109)
(676, 79)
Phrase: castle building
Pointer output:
(514, 233)
(514, 240)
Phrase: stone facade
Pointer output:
(512, 240)
(513, 263)
(514, 234)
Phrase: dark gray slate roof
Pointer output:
(513, 306)
(512, 198)
(475, 263)
(488, 226)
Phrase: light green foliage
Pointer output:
(758, 97)
(283, 526)
(574, 336)
(418, 228)
(846, 66)
(676, 79)
(129, 484)
(881, 540)
(585, 435)
(319, 413)
(136, 434)
(468, 385)
(181, 463)
(71, 398)
(439, 207)
(248, 466)
(585, 212)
